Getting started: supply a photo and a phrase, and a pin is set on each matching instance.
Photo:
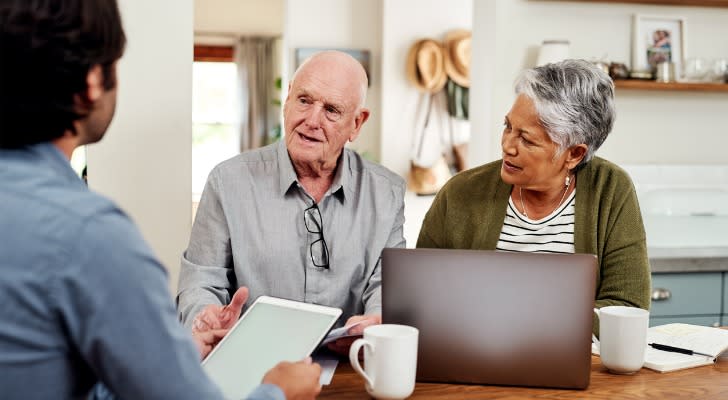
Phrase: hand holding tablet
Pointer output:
(297, 380)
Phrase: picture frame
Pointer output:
(656, 39)
(363, 56)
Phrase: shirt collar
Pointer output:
(53, 155)
(287, 175)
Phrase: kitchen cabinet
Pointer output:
(693, 298)
(724, 318)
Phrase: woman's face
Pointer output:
(529, 154)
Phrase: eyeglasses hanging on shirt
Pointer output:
(315, 224)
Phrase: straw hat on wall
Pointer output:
(426, 66)
(457, 56)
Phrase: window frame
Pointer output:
(213, 53)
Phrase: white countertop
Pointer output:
(680, 265)
(686, 240)
(687, 252)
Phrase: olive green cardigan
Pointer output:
(468, 213)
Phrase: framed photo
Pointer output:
(657, 39)
(361, 55)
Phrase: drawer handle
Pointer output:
(661, 294)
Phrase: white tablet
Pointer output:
(270, 331)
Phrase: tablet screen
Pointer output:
(270, 331)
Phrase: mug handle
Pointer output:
(354, 358)
(594, 337)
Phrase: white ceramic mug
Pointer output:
(390, 360)
(622, 338)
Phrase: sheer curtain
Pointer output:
(254, 57)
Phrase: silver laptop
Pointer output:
(491, 317)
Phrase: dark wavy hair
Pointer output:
(47, 48)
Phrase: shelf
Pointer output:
(701, 3)
(672, 86)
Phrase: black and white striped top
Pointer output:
(551, 234)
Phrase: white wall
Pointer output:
(483, 76)
(144, 161)
(352, 24)
(404, 22)
(238, 17)
(651, 127)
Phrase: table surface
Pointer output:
(707, 382)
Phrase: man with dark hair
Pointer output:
(82, 298)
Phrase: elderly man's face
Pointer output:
(528, 151)
(320, 116)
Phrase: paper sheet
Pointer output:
(329, 361)
(698, 338)
(339, 333)
(328, 364)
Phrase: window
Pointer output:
(214, 137)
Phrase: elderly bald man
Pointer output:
(304, 219)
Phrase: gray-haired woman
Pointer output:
(549, 194)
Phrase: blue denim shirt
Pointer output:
(82, 298)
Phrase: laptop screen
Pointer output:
(494, 317)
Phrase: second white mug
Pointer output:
(390, 360)
(622, 338)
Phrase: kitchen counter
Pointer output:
(687, 243)
(662, 253)
(708, 264)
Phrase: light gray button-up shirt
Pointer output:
(250, 231)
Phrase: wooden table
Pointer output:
(707, 382)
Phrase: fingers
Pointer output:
(239, 299)
(219, 317)
(354, 319)
(297, 380)
(232, 311)
(357, 330)
(199, 325)
(366, 320)
(316, 368)
(209, 318)
(213, 336)
(207, 340)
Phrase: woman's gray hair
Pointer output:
(574, 100)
